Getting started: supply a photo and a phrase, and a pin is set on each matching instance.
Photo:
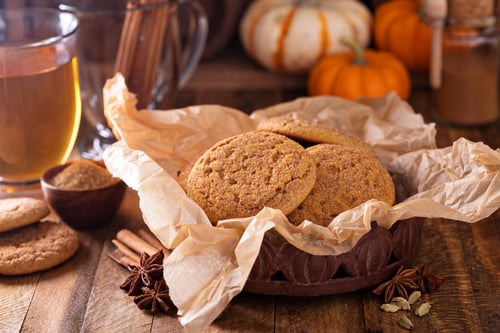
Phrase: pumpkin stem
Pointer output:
(356, 49)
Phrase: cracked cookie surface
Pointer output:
(36, 247)
(242, 174)
(345, 178)
(309, 133)
(21, 211)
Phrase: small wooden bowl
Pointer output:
(83, 209)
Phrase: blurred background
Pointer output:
(223, 16)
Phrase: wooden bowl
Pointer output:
(83, 209)
(282, 269)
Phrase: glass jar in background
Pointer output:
(468, 12)
(468, 95)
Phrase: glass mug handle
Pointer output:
(195, 40)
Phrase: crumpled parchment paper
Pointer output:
(210, 264)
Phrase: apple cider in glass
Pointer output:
(40, 106)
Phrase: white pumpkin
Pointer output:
(291, 35)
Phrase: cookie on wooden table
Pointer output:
(242, 174)
(36, 247)
(310, 133)
(345, 178)
(18, 212)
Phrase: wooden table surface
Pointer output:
(82, 295)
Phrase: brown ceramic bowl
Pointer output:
(283, 269)
(83, 209)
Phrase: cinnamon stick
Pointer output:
(129, 39)
(121, 259)
(148, 237)
(129, 246)
(135, 242)
(126, 251)
(140, 48)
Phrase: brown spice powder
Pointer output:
(83, 175)
(466, 9)
(468, 95)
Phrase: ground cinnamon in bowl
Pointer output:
(83, 175)
(83, 193)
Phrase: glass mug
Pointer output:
(141, 40)
(40, 105)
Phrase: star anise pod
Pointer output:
(428, 282)
(149, 270)
(400, 284)
(156, 298)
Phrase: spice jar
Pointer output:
(468, 94)
(467, 10)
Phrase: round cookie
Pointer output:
(312, 133)
(242, 174)
(345, 178)
(182, 175)
(36, 247)
(18, 212)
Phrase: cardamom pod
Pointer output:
(414, 296)
(423, 309)
(387, 307)
(405, 322)
(401, 302)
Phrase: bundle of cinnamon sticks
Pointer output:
(141, 44)
(128, 246)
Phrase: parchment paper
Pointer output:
(210, 264)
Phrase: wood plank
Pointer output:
(62, 292)
(379, 321)
(16, 293)
(453, 304)
(482, 259)
(166, 324)
(246, 313)
(329, 313)
(375, 320)
(109, 308)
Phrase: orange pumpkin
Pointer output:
(398, 29)
(361, 73)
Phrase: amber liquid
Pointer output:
(40, 115)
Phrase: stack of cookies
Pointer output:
(305, 169)
(28, 244)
